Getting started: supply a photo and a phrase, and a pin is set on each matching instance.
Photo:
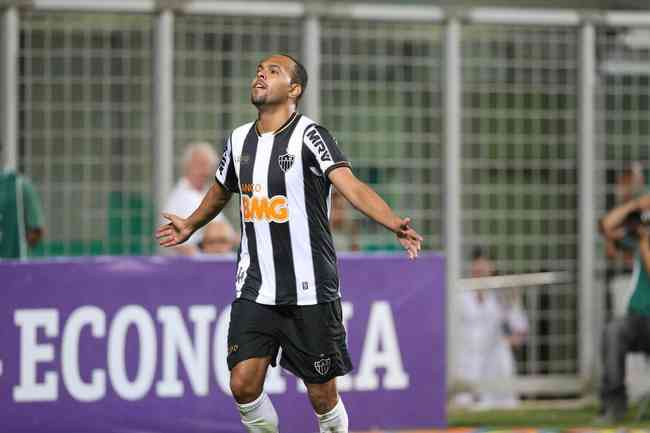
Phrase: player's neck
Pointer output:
(271, 119)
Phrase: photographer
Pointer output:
(628, 226)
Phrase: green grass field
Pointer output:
(537, 417)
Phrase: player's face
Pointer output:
(272, 82)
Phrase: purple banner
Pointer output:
(139, 345)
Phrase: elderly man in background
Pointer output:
(199, 166)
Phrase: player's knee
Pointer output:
(244, 390)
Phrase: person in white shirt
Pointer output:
(199, 166)
(491, 327)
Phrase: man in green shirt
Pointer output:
(21, 217)
(631, 333)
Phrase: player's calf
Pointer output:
(323, 396)
(329, 408)
(334, 421)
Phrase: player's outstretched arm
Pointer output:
(367, 201)
(178, 230)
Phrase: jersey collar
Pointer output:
(288, 123)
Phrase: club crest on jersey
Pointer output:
(286, 161)
(323, 366)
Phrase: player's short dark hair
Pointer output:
(298, 74)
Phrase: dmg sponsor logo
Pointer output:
(274, 209)
(319, 144)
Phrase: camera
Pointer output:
(631, 225)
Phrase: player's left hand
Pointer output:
(409, 238)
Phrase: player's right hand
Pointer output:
(173, 233)
(409, 238)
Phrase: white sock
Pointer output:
(334, 421)
(259, 416)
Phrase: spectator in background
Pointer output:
(345, 231)
(491, 326)
(219, 238)
(630, 184)
(630, 333)
(21, 216)
(199, 167)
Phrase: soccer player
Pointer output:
(283, 167)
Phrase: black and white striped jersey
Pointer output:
(286, 255)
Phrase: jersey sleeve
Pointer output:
(226, 174)
(324, 148)
(32, 205)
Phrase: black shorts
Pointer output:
(312, 338)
